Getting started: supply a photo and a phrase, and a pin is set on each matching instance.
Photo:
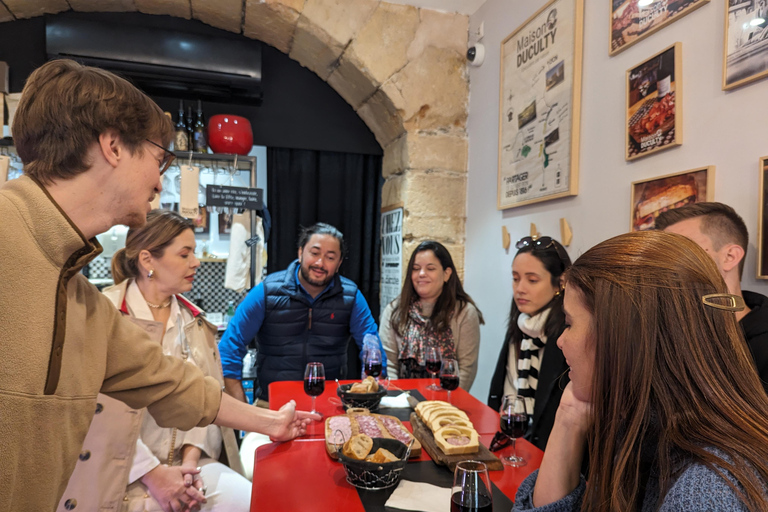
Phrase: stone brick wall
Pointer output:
(400, 67)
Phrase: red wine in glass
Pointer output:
(513, 420)
(483, 504)
(433, 363)
(314, 381)
(449, 382)
(372, 369)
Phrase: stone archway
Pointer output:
(400, 67)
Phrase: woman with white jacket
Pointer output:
(128, 462)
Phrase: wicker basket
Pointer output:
(368, 401)
(372, 475)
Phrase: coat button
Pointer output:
(99, 408)
(70, 504)
(199, 321)
(85, 455)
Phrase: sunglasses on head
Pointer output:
(542, 243)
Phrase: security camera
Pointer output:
(476, 55)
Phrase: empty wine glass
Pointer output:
(449, 376)
(472, 491)
(433, 364)
(372, 362)
(314, 381)
(514, 423)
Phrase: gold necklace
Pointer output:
(158, 306)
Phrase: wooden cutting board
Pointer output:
(424, 435)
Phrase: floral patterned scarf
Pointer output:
(419, 335)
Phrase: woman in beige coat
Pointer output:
(128, 462)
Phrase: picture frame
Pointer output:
(632, 21)
(654, 104)
(745, 42)
(762, 221)
(540, 106)
(651, 197)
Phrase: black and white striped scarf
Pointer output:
(528, 362)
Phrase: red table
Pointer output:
(299, 475)
(485, 419)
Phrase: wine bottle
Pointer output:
(190, 128)
(199, 144)
(181, 140)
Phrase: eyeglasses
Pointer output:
(168, 157)
(543, 243)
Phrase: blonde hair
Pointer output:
(161, 229)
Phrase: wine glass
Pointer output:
(372, 362)
(314, 381)
(449, 376)
(471, 490)
(514, 423)
(433, 363)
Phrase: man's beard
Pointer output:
(314, 282)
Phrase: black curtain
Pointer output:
(341, 189)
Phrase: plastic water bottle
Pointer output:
(230, 314)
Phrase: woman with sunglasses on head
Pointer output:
(126, 456)
(530, 363)
(433, 310)
(663, 388)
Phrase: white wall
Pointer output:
(724, 129)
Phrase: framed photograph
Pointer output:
(225, 223)
(540, 106)
(634, 20)
(654, 104)
(202, 222)
(652, 197)
(745, 49)
(762, 222)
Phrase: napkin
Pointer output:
(398, 401)
(420, 497)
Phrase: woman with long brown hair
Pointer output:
(432, 310)
(662, 388)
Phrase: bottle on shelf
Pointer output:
(230, 314)
(190, 128)
(181, 140)
(199, 144)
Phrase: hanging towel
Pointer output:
(238, 272)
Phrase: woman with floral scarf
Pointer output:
(432, 310)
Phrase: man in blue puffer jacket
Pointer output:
(303, 314)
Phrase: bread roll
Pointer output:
(382, 456)
(358, 447)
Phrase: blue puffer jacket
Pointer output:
(296, 332)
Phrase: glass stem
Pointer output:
(313, 404)
(514, 448)
(449, 396)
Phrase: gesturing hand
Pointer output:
(290, 423)
(166, 485)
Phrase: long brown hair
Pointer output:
(673, 377)
(162, 227)
(453, 293)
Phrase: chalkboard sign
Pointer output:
(235, 197)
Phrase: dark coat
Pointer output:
(548, 392)
(755, 326)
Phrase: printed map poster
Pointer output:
(391, 255)
(654, 104)
(539, 107)
(633, 20)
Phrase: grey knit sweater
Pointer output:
(697, 489)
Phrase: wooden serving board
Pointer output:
(331, 448)
(424, 435)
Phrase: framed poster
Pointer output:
(654, 104)
(652, 197)
(540, 106)
(762, 222)
(391, 254)
(634, 20)
(745, 49)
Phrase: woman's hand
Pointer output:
(290, 423)
(167, 487)
(573, 413)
